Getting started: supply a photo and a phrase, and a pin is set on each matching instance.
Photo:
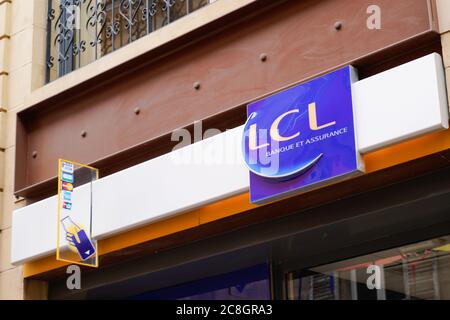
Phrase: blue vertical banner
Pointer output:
(302, 138)
(75, 195)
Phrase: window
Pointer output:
(415, 272)
(82, 31)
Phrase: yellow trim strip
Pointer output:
(375, 161)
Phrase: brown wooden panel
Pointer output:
(298, 37)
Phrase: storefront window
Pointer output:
(247, 284)
(415, 272)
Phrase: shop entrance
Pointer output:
(320, 253)
(248, 284)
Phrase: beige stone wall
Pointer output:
(22, 69)
(446, 53)
(443, 7)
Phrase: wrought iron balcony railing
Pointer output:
(82, 31)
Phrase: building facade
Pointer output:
(117, 85)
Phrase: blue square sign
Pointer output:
(302, 138)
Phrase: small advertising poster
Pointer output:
(74, 242)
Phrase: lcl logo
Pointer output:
(275, 131)
(272, 141)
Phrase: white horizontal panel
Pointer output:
(170, 184)
(34, 230)
(392, 106)
(402, 103)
